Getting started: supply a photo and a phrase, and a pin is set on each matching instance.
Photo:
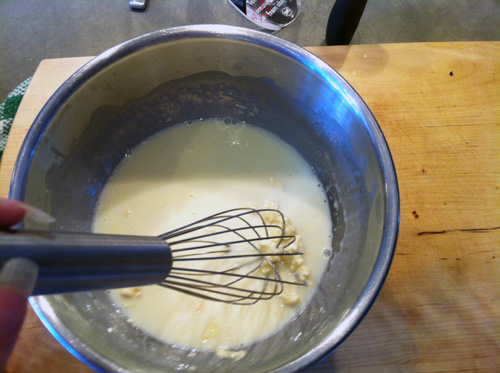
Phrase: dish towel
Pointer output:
(8, 110)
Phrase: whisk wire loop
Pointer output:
(204, 241)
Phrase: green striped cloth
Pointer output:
(8, 110)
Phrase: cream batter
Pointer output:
(193, 170)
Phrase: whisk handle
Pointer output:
(70, 262)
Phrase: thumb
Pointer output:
(12, 312)
(17, 280)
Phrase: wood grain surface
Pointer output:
(438, 105)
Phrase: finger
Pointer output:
(17, 280)
(11, 212)
(12, 312)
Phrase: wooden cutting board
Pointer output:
(438, 105)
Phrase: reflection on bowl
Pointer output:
(212, 71)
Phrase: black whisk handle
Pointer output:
(70, 262)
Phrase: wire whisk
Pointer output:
(232, 256)
(235, 238)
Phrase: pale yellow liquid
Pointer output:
(190, 171)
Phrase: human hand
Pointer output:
(17, 280)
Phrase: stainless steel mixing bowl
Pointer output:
(139, 87)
